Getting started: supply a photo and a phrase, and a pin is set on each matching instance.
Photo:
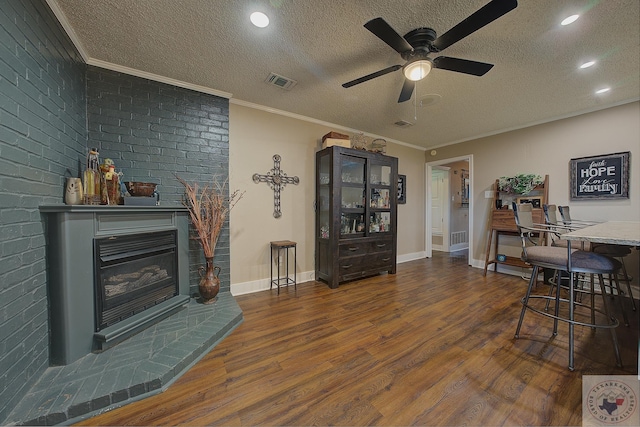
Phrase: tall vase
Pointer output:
(209, 283)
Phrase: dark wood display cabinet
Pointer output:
(356, 214)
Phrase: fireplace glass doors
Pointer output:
(132, 273)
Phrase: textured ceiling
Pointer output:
(322, 44)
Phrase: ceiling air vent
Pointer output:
(403, 124)
(280, 81)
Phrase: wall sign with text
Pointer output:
(402, 189)
(600, 177)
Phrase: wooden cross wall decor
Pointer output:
(276, 180)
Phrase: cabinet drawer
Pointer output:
(363, 248)
(353, 268)
(380, 260)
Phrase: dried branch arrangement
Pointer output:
(208, 207)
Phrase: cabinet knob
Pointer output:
(381, 245)
(352, 249)
(347, 266)
(386, 259)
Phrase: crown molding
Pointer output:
(60, 16)
(540, 122)
(319, 122)
(157, 78)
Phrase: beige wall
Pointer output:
(411, 216)
(254, 137)
(548, 149)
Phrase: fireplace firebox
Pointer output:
(133, 272)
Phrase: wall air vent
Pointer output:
(280, 81)
(403, 124)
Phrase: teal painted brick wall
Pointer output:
(42, 137)
(52, 107)
(153, 132)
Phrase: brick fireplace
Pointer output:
(152, 131)
(80, 238)
(139, 251)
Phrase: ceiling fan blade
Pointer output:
(483, 16)
(462, 65)
(407, 90)
(380, 28)
(372, 76)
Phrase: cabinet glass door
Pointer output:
(324, 197)
(380, 198)
(352, 195)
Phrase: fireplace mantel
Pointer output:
(119, 209)
(71, 230)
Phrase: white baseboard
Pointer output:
(502, 268)
(263, 284)
(459, 247)
(411, 257)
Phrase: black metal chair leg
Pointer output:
(571, 324)
(614, 337)
(525, 299)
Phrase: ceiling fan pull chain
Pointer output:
(415, 104)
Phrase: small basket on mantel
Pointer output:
(379, 145)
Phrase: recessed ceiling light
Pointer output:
(588, 64)
(569, 20)
(259, 19)
(603, 90)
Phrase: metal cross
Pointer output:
(276, 180)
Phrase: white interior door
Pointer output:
(431, 166)
(439, 207)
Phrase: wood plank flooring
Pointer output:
(432, 345)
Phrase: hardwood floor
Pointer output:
(432, 345)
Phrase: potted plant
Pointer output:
(208, 207)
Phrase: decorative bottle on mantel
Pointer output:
(91, 180)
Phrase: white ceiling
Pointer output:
(321, 44)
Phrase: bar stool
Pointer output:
(618, 252)
(572, 261)
(279, 246)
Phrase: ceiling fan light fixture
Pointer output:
(417, 70)
(259, 19)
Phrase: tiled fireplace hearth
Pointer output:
(96, 366)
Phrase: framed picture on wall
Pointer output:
(402, 189)
(600, 177)
(535, 201)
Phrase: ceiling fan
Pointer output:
(417, 44)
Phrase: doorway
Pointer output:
(455, 192)
(440, 208)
